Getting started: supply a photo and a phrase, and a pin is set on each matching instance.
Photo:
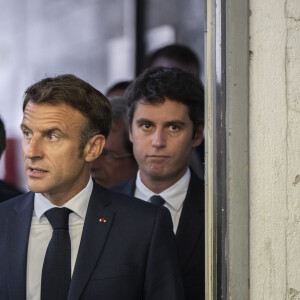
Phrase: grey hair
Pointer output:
(120, 113)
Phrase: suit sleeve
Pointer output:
(163, 278)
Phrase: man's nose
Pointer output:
(159, 138)
(34, 149)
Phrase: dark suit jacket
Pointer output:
(130, 256)
(190, 236)
(8, 191)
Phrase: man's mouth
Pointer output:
(158, 158)
(37, 170)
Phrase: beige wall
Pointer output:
(274, 149)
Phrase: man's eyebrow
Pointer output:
(46, 131)
(23, 126)
(168, 123)
(54, 130)
(175, 122)
(143, 120)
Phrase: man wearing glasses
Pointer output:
(116, 163)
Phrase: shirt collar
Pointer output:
(174, 195)
(77, 204)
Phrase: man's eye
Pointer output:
(52, 137)
(146, 126)
(26, 134)
(174, 128)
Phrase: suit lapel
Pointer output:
(97, 224)
(191, 223)
(18, 228)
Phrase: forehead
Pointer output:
(45, 116)
(167, 110)
(115, 138)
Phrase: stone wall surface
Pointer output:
(274, 114)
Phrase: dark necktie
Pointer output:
(56, 274)
(158, 200)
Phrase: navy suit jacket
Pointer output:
(190, 236)
(130, 256)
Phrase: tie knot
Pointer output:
(158, 200)
(58, 217)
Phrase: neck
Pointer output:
(61, 198)
(159, 184)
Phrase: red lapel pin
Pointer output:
(102, 220)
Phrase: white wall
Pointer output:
(274, 149)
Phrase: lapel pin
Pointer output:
(102, 220)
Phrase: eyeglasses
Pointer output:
(110, 155)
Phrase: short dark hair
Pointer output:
(180, 53)
(79, 94)
(120, 85)
(2, 137)
(158, 83)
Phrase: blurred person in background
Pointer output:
(7, 190)
(118, 88)
(116, 163)
(174, 55)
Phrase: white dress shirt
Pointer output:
(174, 195)
(41, 233)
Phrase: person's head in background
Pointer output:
(174, 55)
(2, 137)
(166, 119)
(116, 163)
(117, 89)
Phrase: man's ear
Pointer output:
(130, 135)
(94, 147)
(198, 138)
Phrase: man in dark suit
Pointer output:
(69, 238)
(7, 190)
(166, 117)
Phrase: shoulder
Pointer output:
(195, 197)
(126, 187)
(196, 184)
(11, 202)
(18, 202)
(128, 206)
(15, 205)
(130, 203)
